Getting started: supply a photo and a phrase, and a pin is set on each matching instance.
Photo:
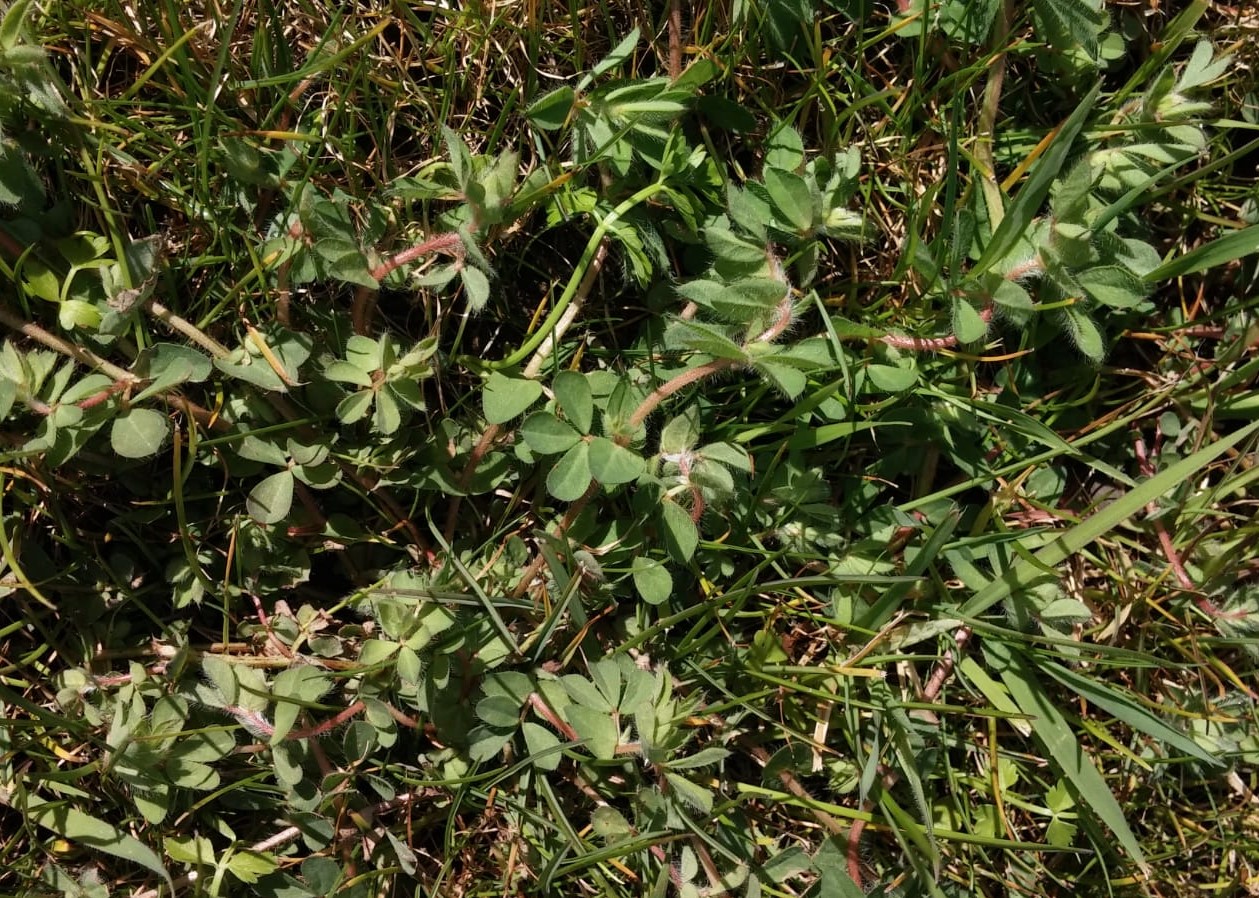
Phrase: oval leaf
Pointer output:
(679, 532)
(139, 432)
(968, 325)
(270, 501)
(551, 111)
(613, 464)
(891, 379)
(792, 198)
(572, 392)
(597, 729)
(652, 580)
(1085, 335)
(548, 435)
(570, 477)
(499, 711)
(507, 397)
(542, 744)
(1113, 285)
(476, 287)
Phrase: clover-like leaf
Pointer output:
(348, 372)
(701, 337)
(734, 254)
(1011, 295)
(597, 728)
(548, 435)
(690, 793)
(570, 478)
(612, 464)
(610, 824)
(387, 417)
(294, 688)
(271, 500)
(542, 745)
(968, 325)
(507, 397)
(499, 711)
(572, 393)
(585, 692)
(890, 378)
(139, 432)
(678, 530)
(353, 407)
(651, 579)
(787, 378)
(345, 261)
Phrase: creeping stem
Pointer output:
(574, 282)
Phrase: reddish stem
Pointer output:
(681, 382)
(544, 711)
(933, 344)
(449, 242)
(331, 724)
(675, 39)
(98, 397)
(1207, 607)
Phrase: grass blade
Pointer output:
(1027, 570)
(1059, 744)
(1125, 709)
(75, 826)
(1211, 255)
(1033, 193)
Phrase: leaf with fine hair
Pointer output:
(1025, 206)
(505, 397)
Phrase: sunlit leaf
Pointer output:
(139, 432)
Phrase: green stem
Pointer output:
(574, 282)
(188, 329)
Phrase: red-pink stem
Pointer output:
(255, 721)
(933, 344)
(1207, 607)
(449, 242)
(681, 382)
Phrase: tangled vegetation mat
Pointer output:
(747, 448)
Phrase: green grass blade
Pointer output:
(1030, 196)
(1125, 709)
(1218, 252)
(894, 597)
(1027, 570)
(1054, 733)
(73, 825)
(474, 585)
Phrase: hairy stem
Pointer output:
(188, 329)
(83, 356)
(681, 382)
